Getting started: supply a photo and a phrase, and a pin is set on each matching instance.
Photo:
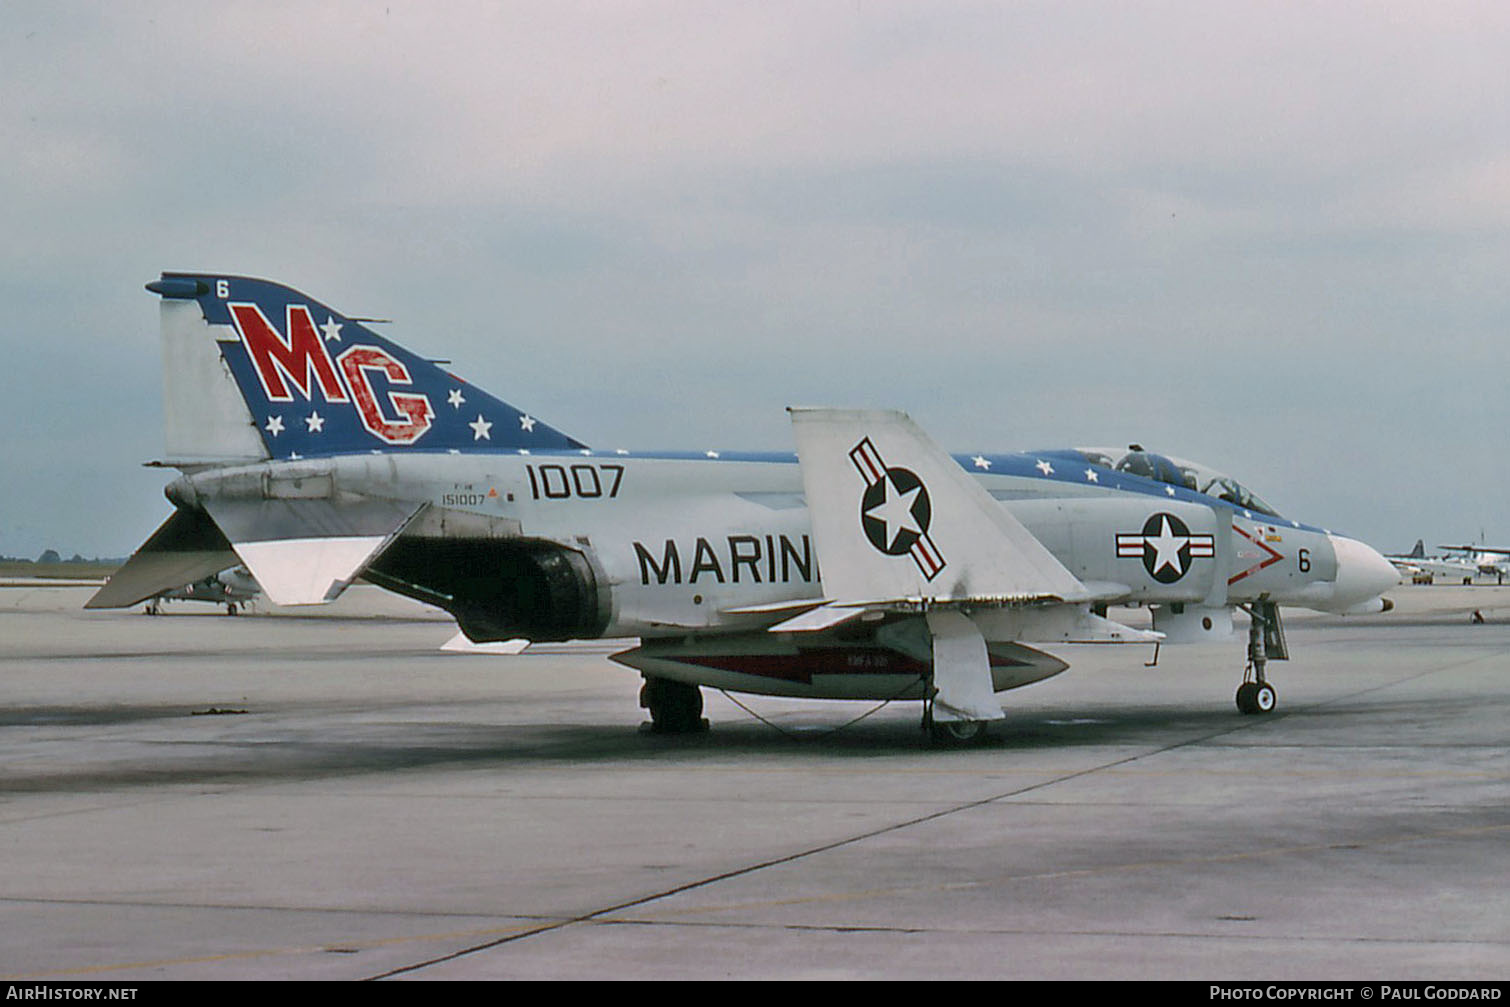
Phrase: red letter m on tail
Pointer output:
(301, 360)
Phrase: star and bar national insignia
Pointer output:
(1166, 547)
(895, 511)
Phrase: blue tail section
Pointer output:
(317, 383)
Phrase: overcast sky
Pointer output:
(1271, 237)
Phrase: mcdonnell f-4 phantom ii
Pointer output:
(870, 564)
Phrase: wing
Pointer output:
(899, 526)
(895, 518)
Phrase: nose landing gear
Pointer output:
(1266, 642)
(1256, 697)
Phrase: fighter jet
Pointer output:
(869, 564)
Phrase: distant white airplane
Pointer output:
(1424, 569)
(1485, 560)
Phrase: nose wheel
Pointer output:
(1266, 641)
(1256, 697)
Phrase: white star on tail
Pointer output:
(480, 428)
(316, 422)
(332, 329)
(275, 425)
(455, 398)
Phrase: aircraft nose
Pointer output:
(1362, 573)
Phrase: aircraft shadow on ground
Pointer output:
(245, 749)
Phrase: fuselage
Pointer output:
(647, 545)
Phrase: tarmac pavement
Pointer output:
(328, 795)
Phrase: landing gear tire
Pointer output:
(1256, 697)
(956, 733)
(675, 707)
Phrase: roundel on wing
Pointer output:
(895, 511)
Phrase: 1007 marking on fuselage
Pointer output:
(574, 482)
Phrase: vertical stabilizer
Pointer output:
(255, 370)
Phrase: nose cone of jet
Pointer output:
(1362, 573)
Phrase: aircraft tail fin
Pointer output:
(255, 370)
(1419, 552)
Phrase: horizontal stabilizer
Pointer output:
(894, 518)
(186, 548)
(305, 552)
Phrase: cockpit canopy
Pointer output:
(1178, 472)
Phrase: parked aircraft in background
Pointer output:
(1485, 560)
(234, 588)
(870, 564)
(1424, 569)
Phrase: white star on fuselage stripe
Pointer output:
(480, 428)
(1044, 467)
(1167, 548)
(332, 329)
(981, 462)
(1090, 474)
(895, 511)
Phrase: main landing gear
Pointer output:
(1266, 642)
(675, 707)
(955, 733)
(952, 733)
